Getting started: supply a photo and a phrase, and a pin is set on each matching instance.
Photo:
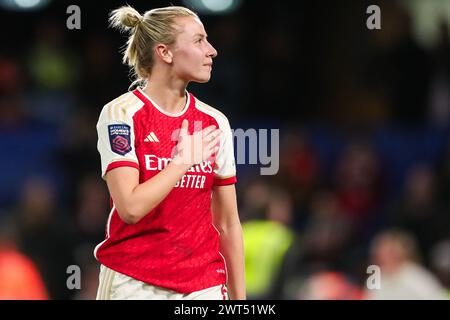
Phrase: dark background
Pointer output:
(363, 118)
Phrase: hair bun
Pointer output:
(125, 16)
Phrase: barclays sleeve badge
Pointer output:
(119, 138)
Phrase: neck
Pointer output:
(167, 91)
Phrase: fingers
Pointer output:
(214, 143)
(199, 146)
(213, 134)
(208, 130)
(212, 152)
(184, 128)
(205, 133)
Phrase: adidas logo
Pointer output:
(151, 138)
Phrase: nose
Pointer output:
(212, 52)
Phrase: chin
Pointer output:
(202, 79)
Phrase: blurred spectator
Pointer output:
(45, 236)
(323, 244)
(100, 79)
(402, 276)
(417, 211)
(11, 103)
(255, 197)
(266, 243)
(328, 285)
(358, 183)
(327, 234)
(30, 144)
(77, 153)
(19, 277)
(10, 79)
(54, 73)
(93, 209)
(31, 150)
(300, 171)
(52, 65)
(443, 181)
(400, 67)
(439, 100)
(11, 112)
(440, 263)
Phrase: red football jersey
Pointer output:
(175, 245)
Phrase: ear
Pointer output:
(164, 52)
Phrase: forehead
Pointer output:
(189, 26)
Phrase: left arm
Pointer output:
(226, 220)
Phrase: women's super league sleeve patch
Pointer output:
(120, 138)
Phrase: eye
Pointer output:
(199, 40)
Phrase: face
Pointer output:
(192, 53)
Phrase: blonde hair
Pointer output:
(155, 26)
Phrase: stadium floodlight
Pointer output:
(27, 3)
(23, 5)
(213, 7)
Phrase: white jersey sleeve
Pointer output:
(225, 166)
(116, 133)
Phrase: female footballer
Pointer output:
(173, 231)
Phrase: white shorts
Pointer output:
(114, 285)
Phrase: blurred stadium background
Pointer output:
(364, 118)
